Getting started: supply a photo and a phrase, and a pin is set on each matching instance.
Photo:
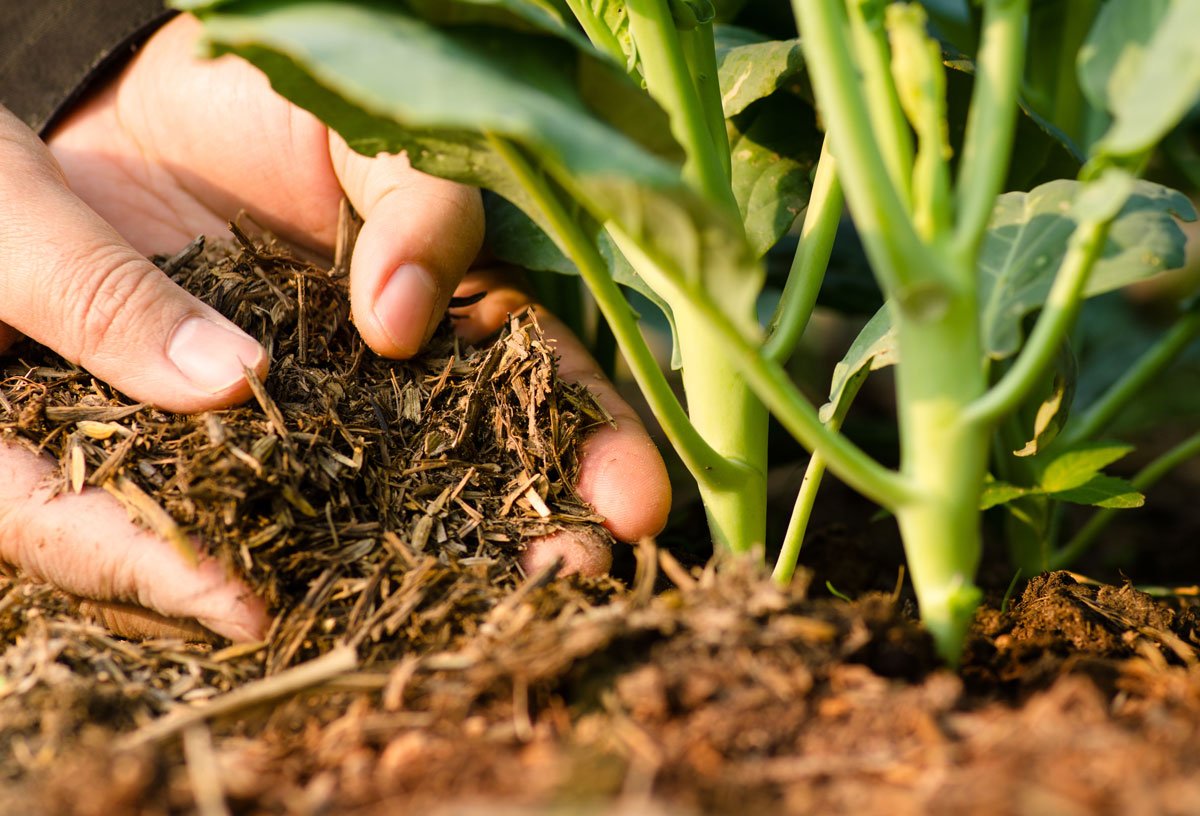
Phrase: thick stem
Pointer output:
(945, 458)
(733, 421)
(991, 120)
(821, 219)
(1156, 359)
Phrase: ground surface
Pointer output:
(414, 667)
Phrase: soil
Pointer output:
(415, 668)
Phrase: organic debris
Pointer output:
(379, 506)
(354, 490)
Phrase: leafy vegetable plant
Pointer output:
(641, 144)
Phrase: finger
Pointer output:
(419, 237)
(135, 623)
(70, 282)
(622, 474)
(580, 550)
(85, 545)
(506, 293)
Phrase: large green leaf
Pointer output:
(388, 81)
(1027, 240)
(774, 152)
(752, 67)
(1141, 63)
(1024, 246)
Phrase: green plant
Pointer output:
(659, 151)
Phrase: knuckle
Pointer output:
(106, 304)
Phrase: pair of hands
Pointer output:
(174, 147)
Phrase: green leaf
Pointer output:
(1028, 238)
(1021, 253)
(1103, 491)
(752, 67)
(1055, 407)
(875, 347)
(1076, 467)
(1141, 64)
(774, 154)
(998, 493)
(595, 132)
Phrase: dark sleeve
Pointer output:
(51, 52)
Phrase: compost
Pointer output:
(380, 508)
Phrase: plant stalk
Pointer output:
(806, 497)
(1052, 325)
(598, 32)
(770, 381)
(908, 271)
(883, 105)
(991, 123)
(1153, 362)
(944, 457)
(799, 298)
(669, 81)
(700, 51)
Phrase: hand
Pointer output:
(174, 147)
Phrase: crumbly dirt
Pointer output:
(415, 673)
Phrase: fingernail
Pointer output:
(404, 307)
(212, 356)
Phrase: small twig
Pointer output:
(204, 773)
(313, 673)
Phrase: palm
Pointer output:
(163, 162)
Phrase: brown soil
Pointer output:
(470, 688)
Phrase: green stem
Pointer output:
(944, 457)
(1152, 363)
(991, 120)
(883, 105)
(921, 86)
(725, 411)
(821, 219)
(669, 81)
(906, 268)
(700, 51)
(772, 384)
(806, 498)
(698, 456)
(1143, 481)
(598, 32)
(1052, 324)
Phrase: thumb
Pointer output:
(420, 235)
(70, 282)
